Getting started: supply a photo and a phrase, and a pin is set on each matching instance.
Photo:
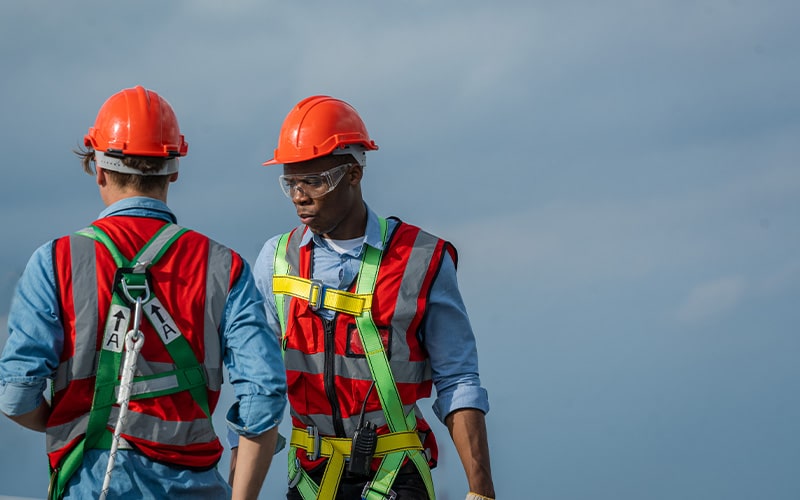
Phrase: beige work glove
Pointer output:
(475, 496)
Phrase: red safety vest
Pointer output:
(192, 280)
(327, 373)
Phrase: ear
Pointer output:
(100, 176)
(355, 174)
(173, 177)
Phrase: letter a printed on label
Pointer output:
(116, 328)
(162, 321)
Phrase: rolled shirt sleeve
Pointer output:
(253, 359)
(450, 343)
(36, 338)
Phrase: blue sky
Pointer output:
(620, 178)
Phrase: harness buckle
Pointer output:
(316, 295)
(390, 495)
(313, 433)
(298, 473)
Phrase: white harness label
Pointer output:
(162, 321)
(116, 328)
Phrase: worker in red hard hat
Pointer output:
(131, 319)
(370, 319)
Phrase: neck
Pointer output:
(111, 196)
(110, 192)
(353, 226)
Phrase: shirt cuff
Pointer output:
(18, 398)
(469, 396)
(233, 441)
(252, 416)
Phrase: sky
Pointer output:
(620, 179)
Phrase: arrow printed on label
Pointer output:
(116, 327)
(162, 321)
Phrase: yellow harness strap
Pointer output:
(328, 446)
(337, 449)
(319, 296)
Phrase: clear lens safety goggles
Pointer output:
(314, 185)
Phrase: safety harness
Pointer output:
(132, 288)
(402, 441)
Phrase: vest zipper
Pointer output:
(330, 376)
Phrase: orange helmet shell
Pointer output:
(137, 122)
(316, 126)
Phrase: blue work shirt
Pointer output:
(446, 330)
(251, 354)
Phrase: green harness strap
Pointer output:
(380, 487)
(386, 387)
(280, 268)
(189, 374)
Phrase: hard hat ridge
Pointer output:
(137, 122)
(318, 126)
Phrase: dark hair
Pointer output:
(143, 183)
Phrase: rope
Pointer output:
(133, 344)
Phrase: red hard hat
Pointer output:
(316, 127)
(137, 122)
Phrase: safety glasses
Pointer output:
(313, 185)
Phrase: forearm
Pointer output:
(468, 429)
(35, 419)
(251, 463)
(232, 471)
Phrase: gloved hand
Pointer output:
(475, 496)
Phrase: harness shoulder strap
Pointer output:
(381, 371)
(280, 269)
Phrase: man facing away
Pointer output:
(370, 318)
(137, 296)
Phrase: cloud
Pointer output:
(621, 163)
(711, 299)
(666, 253)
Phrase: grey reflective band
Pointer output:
(151, 385)
(139, 425)
(84, 277)
(115, 164)
(404, 370)
(218, 272)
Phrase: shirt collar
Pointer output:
(140, 206)
(372, 233)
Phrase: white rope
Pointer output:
(133, 344)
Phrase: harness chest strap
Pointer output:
(319, 296)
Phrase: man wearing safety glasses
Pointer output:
(370, 318)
